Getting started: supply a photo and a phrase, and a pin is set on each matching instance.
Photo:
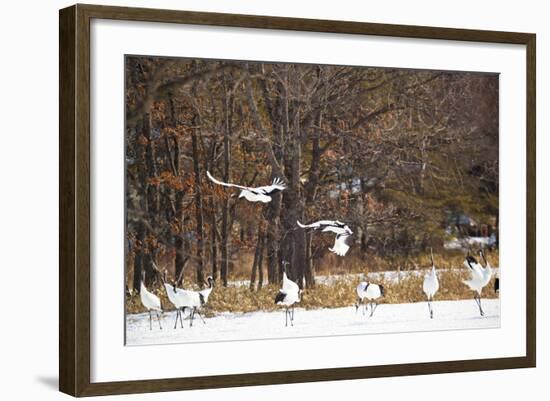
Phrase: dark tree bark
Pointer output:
(310, 192)
(294, 244)
(309, 272)
(181, 242)
(138, 257)
(272, 239)
(257, 265)
(257, 258)
(228, 116)
(260, 264)
(214, 241)
(212, 207)
(299, 259)
(225, 243)
(183, 248)
(274, 151)
(198, 210)
(153, 199)
(146, 198)
(273, 209)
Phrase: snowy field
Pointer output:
(468, 242)
(388, 318)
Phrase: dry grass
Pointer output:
(331, 264)
(340, 292)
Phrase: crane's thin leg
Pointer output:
(478, 302)
(292, 318)
(200, 315)
(480, 308)
(286, 317)
(158, 317)
(430, 308)
(191, 317)
(150, 321)
(177, 315)
(181, 317)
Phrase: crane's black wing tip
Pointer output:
(280, 297)
(470, 260)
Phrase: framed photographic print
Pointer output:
(305, 198)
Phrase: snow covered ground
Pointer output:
(465, 243)
(388, 318)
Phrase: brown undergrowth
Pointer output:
(338, 291)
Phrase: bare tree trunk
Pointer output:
(310, 192)
(289, 195)
(224, 243)
(146, 198)
(183, 248)
(309, 273)
(181, 242)
(153, 198)
(258, 259)
(252, 284)
(364, 242)
(272, 239)
(214, 240)
(198, 211)
(294, 245)
(274, 154)
(212, 206)
(272, 216)
(260, 264)
(299, 260)
(138, 257)
(273, 209)
(228, 105)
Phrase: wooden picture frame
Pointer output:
(74, 203)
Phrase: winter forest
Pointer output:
(407, 159)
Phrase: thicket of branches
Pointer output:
(391, 152)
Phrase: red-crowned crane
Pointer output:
(151, 302)
(288, 295)
(342, 231)
(480, 277)
(430, 285)
(370, 292)
(258, 194)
